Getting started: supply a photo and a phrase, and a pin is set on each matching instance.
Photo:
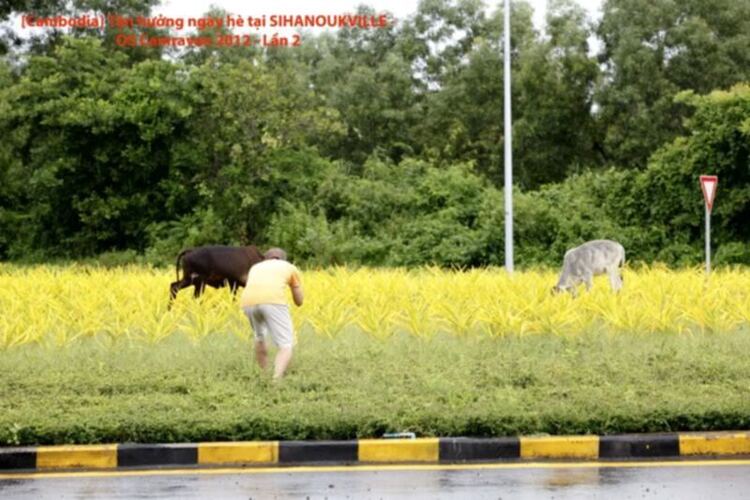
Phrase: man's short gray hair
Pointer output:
(275, 253)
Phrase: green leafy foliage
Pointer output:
(356, 386)
(383, 147)
(652, 51)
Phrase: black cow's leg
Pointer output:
(199, 285)
(175, 287)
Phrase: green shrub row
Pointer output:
(354, 386)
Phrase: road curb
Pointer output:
(377, 451)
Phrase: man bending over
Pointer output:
(264, 303)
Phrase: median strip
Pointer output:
(715, 443)
(586, 447)
(399, 450)
(102, 456)
(376, 451)
(244, 452)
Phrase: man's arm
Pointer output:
(297, 294)
(295, 283)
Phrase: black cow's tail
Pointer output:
(177, 263)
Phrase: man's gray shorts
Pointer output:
(273, 319)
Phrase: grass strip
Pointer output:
(105, 390)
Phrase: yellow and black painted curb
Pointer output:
(368, 451)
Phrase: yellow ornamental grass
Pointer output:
(59, 305)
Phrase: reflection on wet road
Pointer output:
(698, 480)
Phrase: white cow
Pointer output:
(582, 263)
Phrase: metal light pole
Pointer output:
(508, 132)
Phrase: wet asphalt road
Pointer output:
(699, 481)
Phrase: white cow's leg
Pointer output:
(614, 280)
(589, 280)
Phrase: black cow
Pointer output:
(214, 266)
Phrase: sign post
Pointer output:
(708, 186)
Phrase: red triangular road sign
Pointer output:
(708, 186)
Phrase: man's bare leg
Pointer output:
(261, 354)
(283, 357)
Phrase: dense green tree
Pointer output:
(382, 147)
(234, 52)
(10, 38)
(394, 214)
(11, 175)
(124, 8)
(248, 145)
(652, 49)
(554, 130)
(440, 35)
(363, 74)
(45, 42)
(657, 212)
(553, 81)
(464, 117)
(718, 143)
(91, 141)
